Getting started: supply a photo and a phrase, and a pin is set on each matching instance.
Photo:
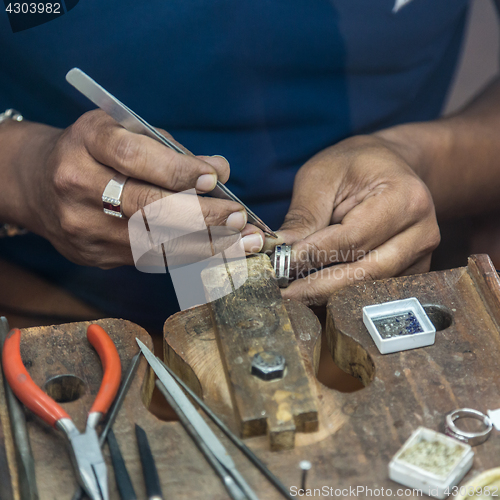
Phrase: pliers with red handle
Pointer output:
(86, 454)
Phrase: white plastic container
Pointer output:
(439, 482)
(415, 328)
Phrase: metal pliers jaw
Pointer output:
(86, 454)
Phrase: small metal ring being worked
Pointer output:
(281, 263)
(471, 438)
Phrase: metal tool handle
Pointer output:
(149, 470)
(122, 478)
(110, 360)
(22, 384)
(24, 456)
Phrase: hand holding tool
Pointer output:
(86, 454)
(134, 123)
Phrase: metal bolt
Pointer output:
(305, 467)
(268, 365)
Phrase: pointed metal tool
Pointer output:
(134, 123)
(204, 433)
(115, 408)
(235, 439)
(24, 457)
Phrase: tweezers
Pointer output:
(134, 123)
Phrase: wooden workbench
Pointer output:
(359, 432)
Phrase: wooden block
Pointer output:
(360, 432)
(63, 349)
(251, 320)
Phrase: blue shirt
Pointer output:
(266, 83)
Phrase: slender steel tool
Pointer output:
(115, 408)
(205, 433)
(235, 439)
(24, 457)
(232, 488)
(123, 482)
(150, 473)
(134, 123)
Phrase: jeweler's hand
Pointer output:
(360, 206)
(65, 181)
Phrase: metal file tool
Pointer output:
(134, 123)
(199, 430)
(24, 457)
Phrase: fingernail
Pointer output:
(253, 243)
(206, 182)
(215, 161)
(220, 156)
(238, 220)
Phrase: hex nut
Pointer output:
(268, 365)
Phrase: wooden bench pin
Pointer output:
(263, 365)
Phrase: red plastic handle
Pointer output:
(22, 384)
(110, 360)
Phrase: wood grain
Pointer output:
(358, 432)
(251, 320)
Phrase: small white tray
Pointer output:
(430, 483)
(416, 327)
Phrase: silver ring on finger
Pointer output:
(112, 196)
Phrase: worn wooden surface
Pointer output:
(251, 320)
(56, 350)
(359, 432)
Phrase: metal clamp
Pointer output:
(471, 438)
(281, 263)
